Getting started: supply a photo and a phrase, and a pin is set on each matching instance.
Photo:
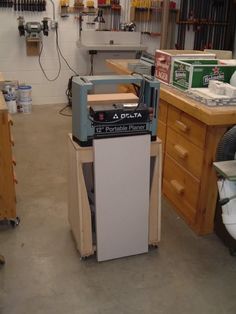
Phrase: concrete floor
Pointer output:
(44, 274)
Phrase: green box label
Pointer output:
(186, 75)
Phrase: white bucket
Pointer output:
(25, 93)
(26, 106)
(11, 105)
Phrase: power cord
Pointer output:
(59, 56)
(61, 112)
(69, 90)
(92, 53)
(41, 66)
(91, 64)
(59, 49)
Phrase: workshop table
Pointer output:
(190, 132)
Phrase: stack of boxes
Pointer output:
(189, 69)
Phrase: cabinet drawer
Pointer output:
(189, 127)
(184, 152)
(162, 110)
(181, 188)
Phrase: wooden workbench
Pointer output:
(190, 133)
(7, 176)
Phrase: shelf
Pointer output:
(202, 22)
(108, 6)
(113, 47)
(78, 9)
(152, 34)
(153, 9)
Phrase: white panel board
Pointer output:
(122, 174)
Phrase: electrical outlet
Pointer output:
(54, 24)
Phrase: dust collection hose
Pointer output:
(227, 146)
(226, 150)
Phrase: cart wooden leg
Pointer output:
(155, 197)
(79, 212)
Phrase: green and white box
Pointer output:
(197, 73)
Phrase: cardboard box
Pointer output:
(164, 60)
(197, 73)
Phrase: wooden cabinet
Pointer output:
(189, 180)
(190, 128)
(186, 154)
(181, 188)
(7, 175)
(190, 133)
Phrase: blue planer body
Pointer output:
(89, 123)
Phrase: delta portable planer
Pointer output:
(101, 121)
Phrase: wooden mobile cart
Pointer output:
(190, 132)
(80, 184)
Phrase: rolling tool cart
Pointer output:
(117, 141)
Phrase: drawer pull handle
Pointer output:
(182, 152)
(14, 161)
(10, 121)
(177, 186)
(181, 126)
(12, 141)
(15, 178)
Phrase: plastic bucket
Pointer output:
(11, 105)
(26, 106)
(25, 93)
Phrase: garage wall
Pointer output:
(15, 65)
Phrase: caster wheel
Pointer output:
(153, 246)
(83, 258)
(15, 222)
(232, 251)
(2, 260)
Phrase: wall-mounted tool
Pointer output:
(64, 5)
(128, 27)
(212, 22)
(32, 29)
(33, 33)
(99, 19)
(6, 3)
(29, 5)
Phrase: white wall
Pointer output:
(15, 65)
